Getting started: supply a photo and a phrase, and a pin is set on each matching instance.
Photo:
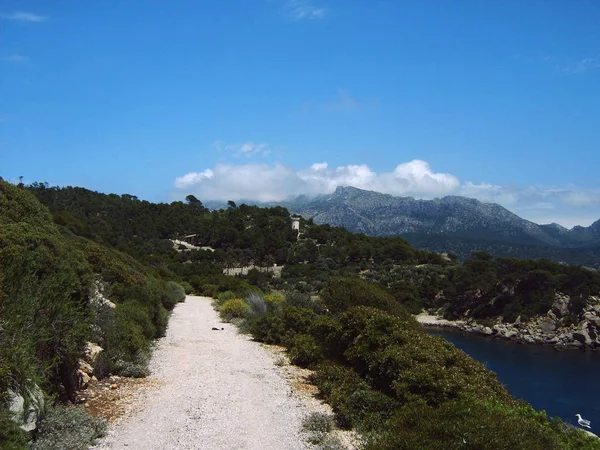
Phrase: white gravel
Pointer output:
(217, 390)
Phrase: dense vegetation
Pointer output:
(46, 316)
(345, 312)
(385, 376)
(511, 288)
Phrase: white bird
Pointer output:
(582, 422)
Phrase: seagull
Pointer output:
(582, 422)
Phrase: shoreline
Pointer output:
(517, 332)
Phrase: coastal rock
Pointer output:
(560, 307)
(555, 328)
(528, 339)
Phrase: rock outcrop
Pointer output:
(560, 327)
(26, 407)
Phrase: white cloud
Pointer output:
(263, 182)
(304, 9)
(24, 17)
(192, 178)
(253, 181)
(246, 149)
(16, 58)
(416, 178)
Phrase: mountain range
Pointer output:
(450, 224)
(455, 224)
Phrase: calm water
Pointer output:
(562, 383)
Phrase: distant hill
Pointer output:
(457, 224)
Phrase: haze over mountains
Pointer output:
(450, 224)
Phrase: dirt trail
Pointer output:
(216, 390)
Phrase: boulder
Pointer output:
(528, 339)
(582, 336)
(97, 298)
(560, 307)
(547, 326)
(487, 331)
(26, 408)
(84, 374)
(92, 351)
(84, 379)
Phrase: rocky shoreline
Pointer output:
(556, 328)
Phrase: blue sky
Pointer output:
(263, 99)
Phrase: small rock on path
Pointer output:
(217, 390)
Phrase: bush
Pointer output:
(187, 287)
(343, 293)
(223, 297)
(294, 298)
(317, 423)
(474, 425)
(269, 328)
(234, 308)
(178, 291)
(68, 428)
(337, 384)
(209, 290)
(257, 304)
(136, 368)
(304, 350)
(11, 435)
(43, 296)
(274, 300)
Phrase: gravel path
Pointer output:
(218, 390)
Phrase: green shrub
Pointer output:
(405, 362)
(43, 297)
(318, 423)
(234, 308)
(135, 368)
(68, 428)
(187, 287)
(353, 401)
(257, 304)
(11, 435)
(298, 299)
(275, 300)
(209, 290)
(331, 443)
(269, 328)
(343, 293)
(336, 383)
(304, 350)
(223, 297)
(463, 425)
(177, 291)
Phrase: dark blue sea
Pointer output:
(561, 383)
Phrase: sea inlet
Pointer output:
(561, 383)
